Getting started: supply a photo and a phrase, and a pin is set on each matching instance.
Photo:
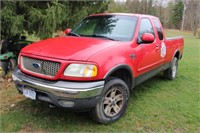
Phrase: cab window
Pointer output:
(145, 27)
(158, 29)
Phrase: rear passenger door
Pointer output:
(149, 54)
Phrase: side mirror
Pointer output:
(67, 31)
(148, 38)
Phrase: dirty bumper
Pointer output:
(74, 95)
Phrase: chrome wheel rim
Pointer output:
(113, 102)
(174, 71)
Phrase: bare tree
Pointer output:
(192, 16)
(185, 2)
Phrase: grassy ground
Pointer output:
(157, 105)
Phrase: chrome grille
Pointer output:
(39, 66)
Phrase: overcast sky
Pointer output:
(164, 1)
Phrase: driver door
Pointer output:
(149, 53)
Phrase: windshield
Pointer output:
(119, 28)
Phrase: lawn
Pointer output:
(157, 105)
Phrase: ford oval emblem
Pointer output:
(36, 65)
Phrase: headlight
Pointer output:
(81, 70)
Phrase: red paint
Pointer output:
(147, 37)
(105, 54)
(67, 31)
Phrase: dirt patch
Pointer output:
(9, 96)
(29, 128)
(5, 82)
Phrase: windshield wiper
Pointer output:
(74, 34)
(100, 36)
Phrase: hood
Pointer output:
(68, 48)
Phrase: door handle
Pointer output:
(157, 47)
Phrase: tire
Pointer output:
(113, 103)
(3, 68)
(171, 72)
(12, 64)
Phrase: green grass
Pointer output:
(157, 105)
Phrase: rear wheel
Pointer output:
(3, 68)
(171, 72)
(113, 103)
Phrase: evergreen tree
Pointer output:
(177, 14)
(11, 22)
(44, 22)
(43, 18)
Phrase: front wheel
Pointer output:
(113, 102)
(171, 72)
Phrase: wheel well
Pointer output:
(177, 55)
(124, 75)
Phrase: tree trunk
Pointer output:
(183, 17)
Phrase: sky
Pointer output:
(164, 1)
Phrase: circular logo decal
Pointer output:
(163, 50)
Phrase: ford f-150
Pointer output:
(96, 65)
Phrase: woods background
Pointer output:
(43, 18)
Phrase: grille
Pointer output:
(39, 66)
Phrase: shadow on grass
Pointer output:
(42, 110)
(38, 115)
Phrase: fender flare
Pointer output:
(177, 51)
(121, 66)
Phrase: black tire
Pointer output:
(3, 68)
(171, 72)
(113, 103)
(12, 64)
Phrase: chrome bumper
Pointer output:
(62, 89)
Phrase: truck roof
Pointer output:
(124, 14)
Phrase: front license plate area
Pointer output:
(29, 93)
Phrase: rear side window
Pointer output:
(158, 28)
(145, 27)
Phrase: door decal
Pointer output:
(163, 50)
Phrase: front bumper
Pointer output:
(78, 95)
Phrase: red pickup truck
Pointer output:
(96, 65)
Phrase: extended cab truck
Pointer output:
(98, 63)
